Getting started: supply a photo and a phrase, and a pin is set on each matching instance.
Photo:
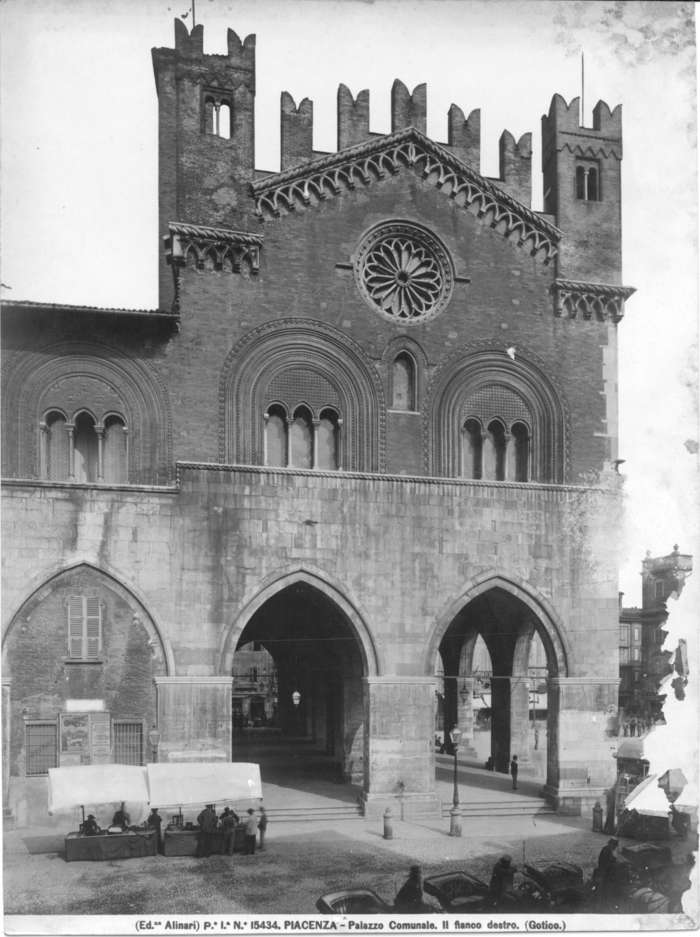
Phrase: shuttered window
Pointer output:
(84, 627)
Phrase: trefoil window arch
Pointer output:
(302, 440)
(83, 450)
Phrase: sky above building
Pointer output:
(79, 161)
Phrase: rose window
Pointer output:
(403, 273)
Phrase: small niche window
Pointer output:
(659, 589)
(276, 437)
(84, 627)
(85, 468)
(587, 187)
(41, 747)
(404, 383)
(127, 743)
(55, 447)
(217, 116)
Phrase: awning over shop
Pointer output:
(177, 785)
(631, 750)
(648, 799)
(88, 785)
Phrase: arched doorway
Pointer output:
(508, 619)
(321, 651)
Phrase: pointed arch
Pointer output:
(548, 623)
(348, 604)
(44, 583)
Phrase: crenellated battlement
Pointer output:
(561, 128)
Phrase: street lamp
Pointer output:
(154, 739)
(296, 696)
(455, 813)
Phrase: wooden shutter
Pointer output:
(75, 626)
(84, 627)
(92, 627)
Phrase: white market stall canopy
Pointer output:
(179, 784)
(96, 784)
(162, 785)
(648, 799)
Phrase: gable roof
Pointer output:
(328, 176)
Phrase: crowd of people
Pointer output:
(208, 823)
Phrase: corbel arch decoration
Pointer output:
(529, 391)
(73, 377)
(318, 366)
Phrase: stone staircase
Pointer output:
(513, 807)
(336, 811)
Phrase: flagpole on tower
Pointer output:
(583, 109)
(194, 22)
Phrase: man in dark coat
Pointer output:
(207, 824)
(502, 880)
(90, 827)
(410, 897)
(228, 821)
(262, 826)
(154, 821)
(514, 771)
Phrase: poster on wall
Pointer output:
(75, 739)
(100, 738)
(85, 739)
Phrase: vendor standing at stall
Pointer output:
(121, 818)
(154, 821)
(251, 833)
(207, 824)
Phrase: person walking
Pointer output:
(514, 771)
(251, 833)
(537, 738)
(228, 822)
(262, 826)
(207, 824)
(633, 727)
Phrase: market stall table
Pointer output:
(107, 846)
(178, 842)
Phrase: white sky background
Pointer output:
(79, 161)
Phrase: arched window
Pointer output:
(276, 437)
(209, 115)
(302, 455)
(114, 451)
(225, 121)
(85, 450)
(404, 382)
(328, 441)
(587, 188)
(592, 185)
(495, 452)
(217, 116)
(471, 449)
(521, 451)
(55, 448)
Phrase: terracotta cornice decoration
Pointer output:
(600, 301)
(367, 162)
(218, 244)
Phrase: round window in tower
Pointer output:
(404, 273)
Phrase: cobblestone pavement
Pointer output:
(300, 863)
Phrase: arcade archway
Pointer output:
(319, 662)
(508, 622)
